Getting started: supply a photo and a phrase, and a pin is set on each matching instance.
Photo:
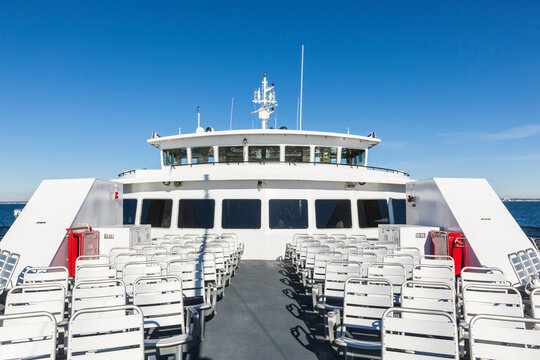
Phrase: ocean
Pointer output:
(526, 213)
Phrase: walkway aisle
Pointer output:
(263, 316)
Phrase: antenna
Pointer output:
(199, 128)
(297, 105)
(232, 107)
(301, 85)
(267, 99)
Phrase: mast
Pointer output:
(267, 99)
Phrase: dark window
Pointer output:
(130, 208)
(263, 153)
(231, 153)
(326, 155)
(196, 213)
(352, 156)
(371, 213)
(398, 207)
(241, 214)
(332, 214)
(202, 155)
(297, 153)
(288, 214)
(175, 156)
(156, 212)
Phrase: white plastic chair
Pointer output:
(8, 267)
(43, 297)
(395, 273)
(406, 260)
(418, 334)
(95, 272)
(364, 258)
(106, 333)
(98, 294)
(436, 273)
(413, 251)
(134, 270)
(47, 275)
(431, 296)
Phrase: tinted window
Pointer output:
(175, 156)
(331, 214)
(231, 153)
(326, 154)
(156, 212)
(371, 213)
(352, 156)
(263, 153)
(288, 214)
(130, 207)
(202, 155)
(399, 211)
(196, 213)
(241, 214)
(297, 153)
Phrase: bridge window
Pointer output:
(371, 213)
(326, 155)
(241, 214)
(202, 155)
(130, 208)
(352, 156)
(288, 214)
(398, 207)
(263, 153)
(333, 214)
(175, 156)
(196, 213)
(231, 154)
(297, 153)
(156, 212)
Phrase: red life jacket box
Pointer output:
(81, 241)
(452, 244)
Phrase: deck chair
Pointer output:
(167, 324)
(482, 276)
(163, 258)
(134, 270)
(92, 260)
(41, 297)
(526, 265)
(6, 273)
(212, 278)
(366, 300)
(437, 273)
(535, 303)
(95, 272)
(364, 258)
(413, 251)
(380, 251)
(393, 272)
(316, 277)
(106, 333)
(418, 334)
(97, 294)
(504, 337)
(28, 335)
(47, 275)
(428, 295)
(406, 260)
(443, 260)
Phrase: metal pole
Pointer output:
(232, 108)
(301, 85)
(297, 106)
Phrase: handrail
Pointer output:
(262, 162)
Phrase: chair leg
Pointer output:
(179, 353)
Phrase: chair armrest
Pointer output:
(334, 318)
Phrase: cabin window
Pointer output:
(333, 214)
(231, 154)
(263, 153)
(297, 153)
(241, 214)
(352, 156)
(202, 155)
(129, 208)
(371, 213)
(288, 214)
(398, 207)
(175, 156)
(196, 213)
(156, 212)
(326, 155)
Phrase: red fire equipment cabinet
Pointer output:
(452, 244)
(81, 241)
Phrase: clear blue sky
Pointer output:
(452, 88)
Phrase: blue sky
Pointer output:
(451, 88)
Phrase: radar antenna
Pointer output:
(267, 98)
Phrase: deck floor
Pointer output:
(264, 315)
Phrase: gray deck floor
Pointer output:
(264, 315)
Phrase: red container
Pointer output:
(81, 241)
(452, 244)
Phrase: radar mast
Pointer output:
(267, 98)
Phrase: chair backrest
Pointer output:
(503, 337)
(319, 236)
(121, 259)
(418, 334)
(304, 246)
(44, 297)
(121, 250)
(526, 263)
(92, 260)
(380, 251)
(364, 258)
(95, 272)
(365, 301)
(334, 244)
(161, 301)
(337, 273)
(47, 275)
(97, 294)
(8, 267)
(121, 336)
(339, 237)
(163, 258)
(28, 335)
(535, 303)
(482, 275)
(443, 260)
(311, 252)
(190, 271)
(320, 261)
(492, 300)
(427, 295)
(208, 260)
(393, 272)
(406, 260)
(134, 270)
(437, 273)
(184, 249)
(219, 257)
(413, 251)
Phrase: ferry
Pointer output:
(302, 250)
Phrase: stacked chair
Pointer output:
(380, 297)
(133, 303)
